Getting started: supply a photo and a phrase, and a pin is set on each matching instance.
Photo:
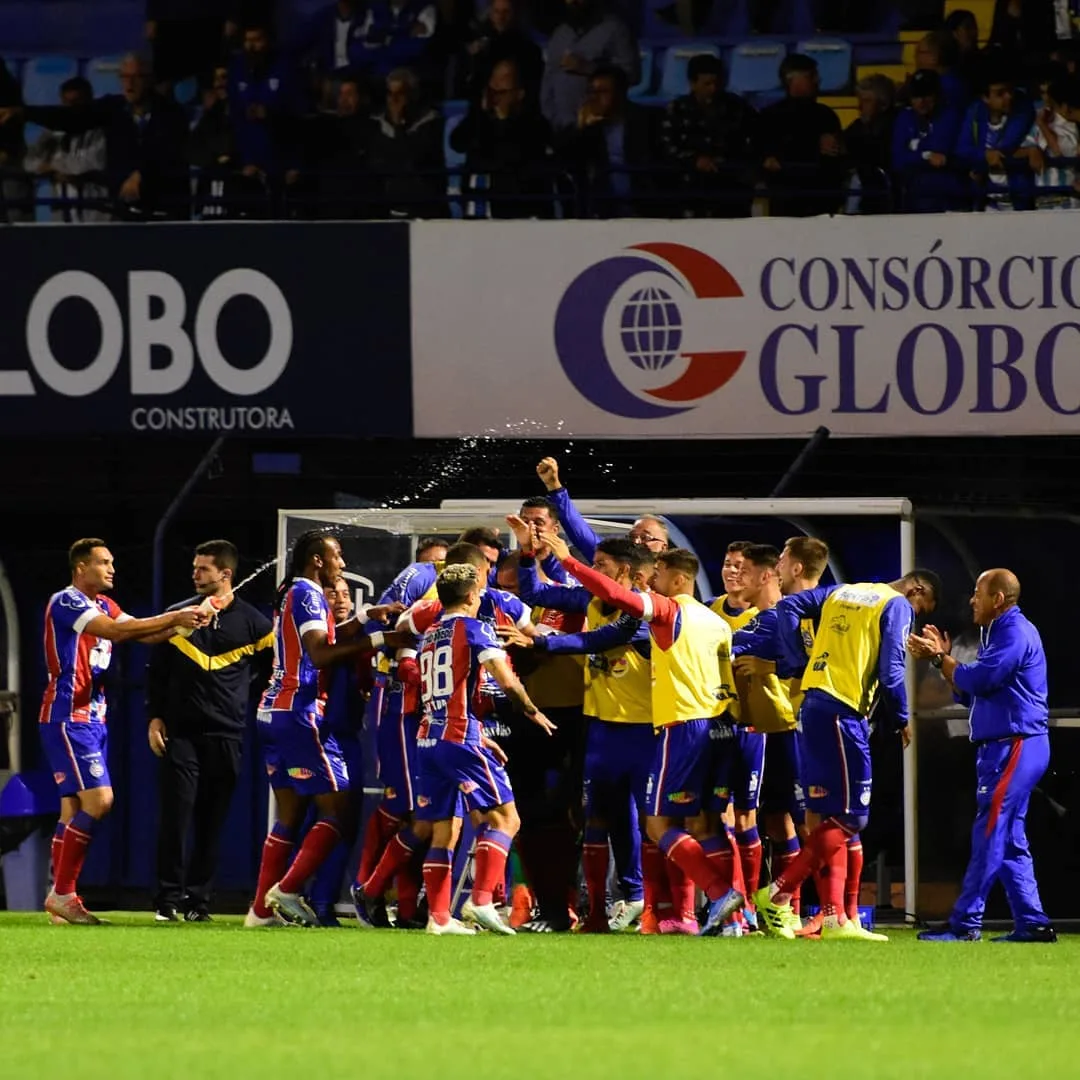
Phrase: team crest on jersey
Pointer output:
(301, 774)
(97, 770)
(59, 777)
(864, 798)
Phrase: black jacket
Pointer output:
(200, 685)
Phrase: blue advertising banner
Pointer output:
(205, 329)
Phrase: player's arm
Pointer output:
(995, 667)
(789, 614)
(150, 630)
(892, 669)
(500, 670)
(753, 648)
(622, 631)
(365, 618)
(559, 597)
(323, 654)
(577, 528)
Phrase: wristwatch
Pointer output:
(937, 660)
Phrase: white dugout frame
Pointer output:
(456, 515)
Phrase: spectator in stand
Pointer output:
(588, 39)
(16, 197)
(611, 145)
(145, 143)
(335, 35)
(264, 101)
(924, 150)
(798, 145)
(406, 152)
(989, 143)
(1023, 35)
(1054, 135)
(709, 133)
(938, 51)
(507, 140)
(75, 164)
(964, 28)
(212, 147)
(498, 37)
(397, 33)
(342, 141)
(868, 142)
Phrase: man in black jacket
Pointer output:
(197, 701)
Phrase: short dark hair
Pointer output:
(620, 549)
(77, 84)
(704, 64)
(481, 534)
(223, 552)
(928, 579)
(615, 74)
(957, 18)
(464, 553)
(797, 64)
(81, 549)
(540, 502)
(811, 552)
(679, 559)
(995, 72)
(454, 584)
(762, 555)
(426, 543)
(740, 547)
(641, 557)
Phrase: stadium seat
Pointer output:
(103, 74)
(833, 56)
(674, 81)
(644, 84)
(755, 67)
(43, 77)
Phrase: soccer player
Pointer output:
(731, 606)
(81, 625)
(459, 768)
(692, 684)
(431, 549)
(303, 759)
(858, 652)
(1005, 688)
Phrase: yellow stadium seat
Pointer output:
(847, 101)
(846, 116)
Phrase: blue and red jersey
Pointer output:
(75, 661)
(296, 684)
(452, 655)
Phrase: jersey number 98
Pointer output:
(436, 674)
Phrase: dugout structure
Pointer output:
(869, 539)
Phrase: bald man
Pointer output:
(1005, 688)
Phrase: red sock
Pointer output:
(380, 830)
(721, 856)
(749, 845)
(396, 856)
(438, 869)
(408, 884)
(489, 865)
(654, 873)
(682, 892)
(594, 858)
(853, 876)
(738, 881)
(77, 837)
(276, 850)
(816, 852)
(833, 876)
(685, 852)
(56, 847)
(321, 839)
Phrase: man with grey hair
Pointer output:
(868, 141)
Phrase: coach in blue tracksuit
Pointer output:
(1005, 688)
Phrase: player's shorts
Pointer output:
(352, 750)
(781, 788)
(395, 745)
(834, 752)
(299, 755)
(455, 779)
(679, 780)
(77, 756)
(618, 760)
(738, 765)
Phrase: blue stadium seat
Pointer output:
(755, 67)
(674, 80)
(43, 76)
(644, 84)
(833, 56)
(103, 74)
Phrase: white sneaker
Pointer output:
(624, 914)
(291, 907)
(452, 927)
(486, 916)
(252, 921)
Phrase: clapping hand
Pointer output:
(554, 543)
(523, 532)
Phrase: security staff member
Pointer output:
(197, 701)
(1005, 688)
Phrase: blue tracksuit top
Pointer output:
(1006, 685)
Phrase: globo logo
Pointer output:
(143, 329)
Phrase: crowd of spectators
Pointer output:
(345, 121)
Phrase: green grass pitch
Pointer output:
(137, 999)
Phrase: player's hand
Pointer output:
(190, 618)
(548, 471)
(995, 159)
(131, 188)
(554, 543)
(521, 530)
(941, 641)
(905, 735)
(157, 736)
(541, 721)
(511, 635)
(497, 752)
(920, 647)
(382, 612)
(754, 665)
